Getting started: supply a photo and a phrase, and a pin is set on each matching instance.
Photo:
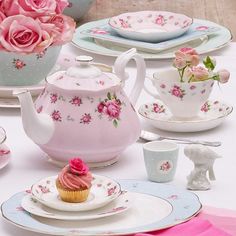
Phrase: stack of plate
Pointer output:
(156, 34)
(139, 207)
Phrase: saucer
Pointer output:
(103, 191)
(150, 26)
(121, 204)
(156, 206)
(212, 114)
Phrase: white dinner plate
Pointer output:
(156, 206)
(119, 205)
(211, 114)
(213, 42)
(103, 191)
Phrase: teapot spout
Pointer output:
(38, 127)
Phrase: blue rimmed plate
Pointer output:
(156, 206)
(220, 38)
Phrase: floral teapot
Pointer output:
(85, 112)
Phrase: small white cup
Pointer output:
(160, 159)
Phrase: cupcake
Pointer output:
(74, 181)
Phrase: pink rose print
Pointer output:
(43, 189)
(53, 97)
(124, 24)
(86, 118)
(163, 86)
(39, 110)
(77, 166)
(18, 64)
(158, 108)
(202, 28)
(41, 54)
(192, 87)
(160, 20)
(98, 31)
(206, 107)
(165, 166)
(111, 191)
(177, 92)
(203, 91)
(110, 107)
(4, 152)
(216, 102)
(76, 101)
(173, 197)
(56, 115)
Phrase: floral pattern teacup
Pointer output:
(183, 99)
(4, 150)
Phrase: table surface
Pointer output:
(220, 11)
(28, 162)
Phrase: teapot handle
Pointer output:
(119, 69)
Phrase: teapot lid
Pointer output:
(83, 76)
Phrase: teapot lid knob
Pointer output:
(83, 60)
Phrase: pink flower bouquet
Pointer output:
(28, 26)
(187, 63)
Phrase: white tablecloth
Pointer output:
(29, 164)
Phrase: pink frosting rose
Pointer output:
(2, 16)
(223, 76)
(60, 27)
(78, 167)
(23, 34)
(61, 5)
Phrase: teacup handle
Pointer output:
(146, 89)
(119, 69)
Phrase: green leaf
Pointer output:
(115, 123)
(209, 63)
(109, 95)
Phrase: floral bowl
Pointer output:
(78, 8)
(150, 26)
(26, 69)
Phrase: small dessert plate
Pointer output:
(150, 26)
(122, 203)
(212, 114)
(103, 191)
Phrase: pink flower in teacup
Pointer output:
(23, 34)
(223, 76)
(197, 73)
(179, 62)
(189, 55)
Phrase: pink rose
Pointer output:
(223, 76)
(77, 166)
(112, 109)
(60, 27)
(189, 55)
(198, 73)
(23, 34)
(179, 63)
(160, 20)
(61, 5)
(31, 8)
(2, 16)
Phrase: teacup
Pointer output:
(183, 99)
(160, 159)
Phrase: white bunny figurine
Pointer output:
(203, 158)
